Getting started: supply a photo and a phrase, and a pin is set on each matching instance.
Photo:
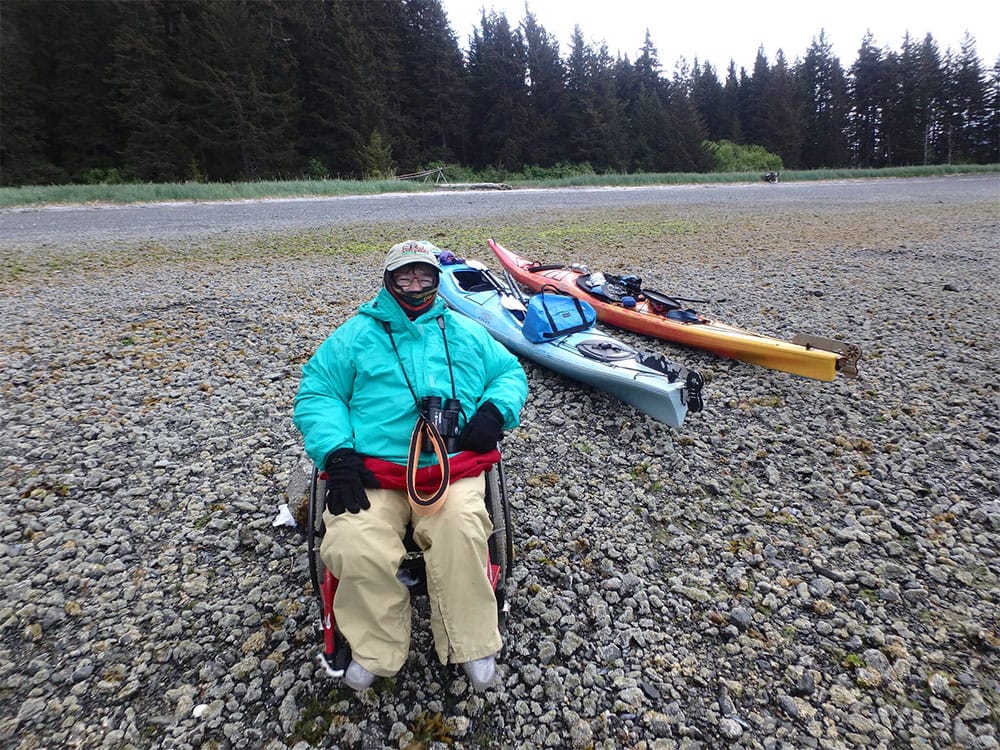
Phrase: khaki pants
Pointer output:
(372, 607)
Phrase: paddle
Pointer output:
(507, 300)
(514, 287)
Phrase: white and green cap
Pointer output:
(408, 252)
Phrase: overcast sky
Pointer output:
(734, 29)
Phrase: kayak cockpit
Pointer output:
(472, 281)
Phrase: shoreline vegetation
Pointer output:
(39, 195)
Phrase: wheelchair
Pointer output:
(336, 652)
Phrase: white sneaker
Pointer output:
(358, 677)
(481, 672)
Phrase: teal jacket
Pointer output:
(353, 393)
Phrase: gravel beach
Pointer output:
(800, 565)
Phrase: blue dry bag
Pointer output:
(550, 316)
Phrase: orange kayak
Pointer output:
(655, 315)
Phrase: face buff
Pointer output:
(413, 300)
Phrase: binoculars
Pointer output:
(444, 418)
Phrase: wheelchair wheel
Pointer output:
(315, 530)
(500, 542)
(507, 525)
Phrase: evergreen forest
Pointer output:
(237, 90)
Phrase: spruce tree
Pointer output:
(755, 102)
(24, 157)
(72, 102)
(149, 97)
(899, 118)
(992, 124)
(731, 105)
(869, 98)
(931, 101)
(498, 109)
(609, 151)
(337, 83)
(914, 121)
(431, 86)
(686, 132)
(967, 132)
(823, 88)
(580, 125)
(237, 68)
(784, 131)
(708, 97)
(646, 116)
(549, 98)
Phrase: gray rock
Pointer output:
(730, 729)
(741, 617)
(805, 685)
(789, 706)
(975, 708)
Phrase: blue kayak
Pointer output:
(645, 380)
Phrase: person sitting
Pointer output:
(360, 405)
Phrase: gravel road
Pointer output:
(800, 565)
(61, 224)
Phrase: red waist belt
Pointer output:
(466, 464)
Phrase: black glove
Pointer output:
(345, 482)
(482, 431)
